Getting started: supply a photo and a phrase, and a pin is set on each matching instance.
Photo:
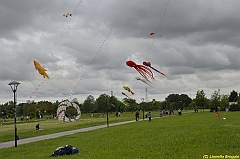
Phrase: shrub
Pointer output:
(234, 107)
(212, 109)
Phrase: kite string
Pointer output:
(33, 93)
(61, 35)
(42, 82)
(101, 47)
(229, 106)
(70, 19)
(134, 86)
(158, 29)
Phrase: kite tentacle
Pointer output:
(140, 71)
(144, 72)
(148, 72)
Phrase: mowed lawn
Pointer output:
(27, 129)
(191, 135)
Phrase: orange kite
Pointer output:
(41, 70)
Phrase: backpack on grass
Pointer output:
(65, 150)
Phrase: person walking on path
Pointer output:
(137, 115)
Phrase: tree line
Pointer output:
(111, 104)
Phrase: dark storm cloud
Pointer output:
(198, 47)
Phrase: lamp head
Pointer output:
(14, 85)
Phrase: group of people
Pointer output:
(148, 115)
(117, 113)
(171, 112)
(27, 118)
(162, 113)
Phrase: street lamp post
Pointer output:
(181, 107)
(14, 85)
(107, 112)
(143, 106)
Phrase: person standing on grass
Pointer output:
(22, 118)
(179, 111)
(137, 115)
(161, 113)
(166, 111)
(149, 116)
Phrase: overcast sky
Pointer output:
(196, 44)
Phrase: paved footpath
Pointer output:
(50, 136)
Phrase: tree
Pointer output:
(122, 106)
(89, 104)
(174, 105)
(192, 105)
(74, 100)
(132, 104)
(43, 109)
(215, 99)
(233, 96)
(25, 109)
(10, 109)
(176, 101)
(224, 101)
(172, 98)
(19, 109)
(113, 101)
(234, 101)
(184, 100)
(156, 105)
(4, 110)
(102, 103)
(163, 105)
(201, 100)
(32, 109)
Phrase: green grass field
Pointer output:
(27, 129)
(191, 135)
